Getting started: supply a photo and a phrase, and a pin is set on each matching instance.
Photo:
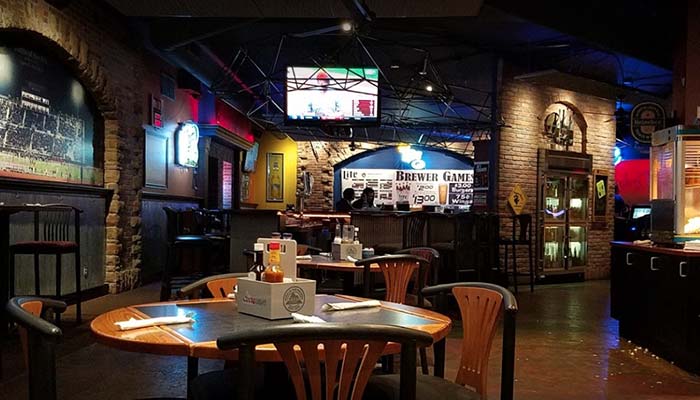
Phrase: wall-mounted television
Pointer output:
(251, 156)
(332, 95)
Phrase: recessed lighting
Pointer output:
(394, 66)
(346, 26)
(429, 88)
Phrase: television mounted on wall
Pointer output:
(332, 96)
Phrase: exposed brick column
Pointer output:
(97, 46)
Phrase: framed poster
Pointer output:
(600, 199)
(275, 177)
(156, 162)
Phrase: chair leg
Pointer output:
(12, 275)
(515, 270)
(532, 265)
(505, 264)
(423, 361)
(37, 282)
(58, 284)
(78, 291)
(165, 279)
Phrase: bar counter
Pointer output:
(655, 298)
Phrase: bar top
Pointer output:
(656, 249)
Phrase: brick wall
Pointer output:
(523, 109)
(98, 46)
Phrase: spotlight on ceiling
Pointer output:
(394, 66)
(424, 71)
(346, 26)
(429, 88)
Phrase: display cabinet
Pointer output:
(675, 184)
(563, 204)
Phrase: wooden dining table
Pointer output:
(347, 268)
(213, 318)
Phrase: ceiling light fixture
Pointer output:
(346, 26)
(429, 88)
(424, 71)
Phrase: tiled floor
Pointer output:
(567, 348)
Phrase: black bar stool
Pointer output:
(180, 237)
(521, 236)
(52, 226)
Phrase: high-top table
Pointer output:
(217, 317)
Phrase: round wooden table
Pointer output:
(217, 317)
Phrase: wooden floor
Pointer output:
(567, 348)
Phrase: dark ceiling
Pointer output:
(243, 53)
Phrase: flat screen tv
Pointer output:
(332, 96)
(251, 156)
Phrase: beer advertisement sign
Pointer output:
(424, 187)
(645, 119)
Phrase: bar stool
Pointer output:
(180, 238)
(522, 225)
(414, 229)
(52, 226)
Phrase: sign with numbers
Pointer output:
(424, 187)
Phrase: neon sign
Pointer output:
(186, 145)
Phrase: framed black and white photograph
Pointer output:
(156, 160)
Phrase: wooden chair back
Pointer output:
(431, 256)
(329, 361)
(397, 270)
(220, 288)
(53, 223)
(39, 342)
(481, 305)
(480, 309)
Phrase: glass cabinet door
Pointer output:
(554, 198)
(578, 246)
(553, 247)
(578, 198)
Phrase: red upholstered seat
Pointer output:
(43, 247)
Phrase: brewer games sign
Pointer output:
(425, 187)
(646, 118)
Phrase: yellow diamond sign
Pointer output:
(517, 199)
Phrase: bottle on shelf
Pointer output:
(274, 273)
(356, 239)
(258, 267)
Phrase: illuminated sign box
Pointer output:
(187, 145)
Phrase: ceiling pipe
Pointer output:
(226, 69)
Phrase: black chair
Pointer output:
(464, 255)
(53, 224)
(182, 235)
(350, 352)
(39, 340)
(414, 229)
(521, 235)
(479, 303)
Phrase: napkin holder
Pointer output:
(288, 255)
(276, 300)
(341, 251)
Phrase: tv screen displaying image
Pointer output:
(317, 95)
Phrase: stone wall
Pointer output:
(98, 46)
(523, 109)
